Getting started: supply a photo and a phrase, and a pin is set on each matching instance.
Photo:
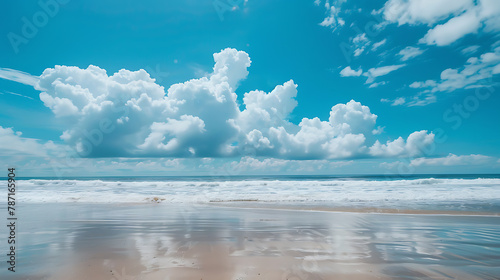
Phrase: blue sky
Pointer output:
(250, 87)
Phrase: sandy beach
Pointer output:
(250, 140)
(178, 241)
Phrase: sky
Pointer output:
(246, 87)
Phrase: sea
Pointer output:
(444, 192)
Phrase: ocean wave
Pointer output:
(103, 191)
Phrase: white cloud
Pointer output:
(18, 76)
(396, 102)
(374, 85)
(473, 74)
(391, 165)
(137, 117)
(359, 51)
(246, 164)
(178, 131)
(342, 136)
(384, 70)
(249, 163)
(360, 43)
(127, 114)
(13, 144)
(17, 94)
(422, 100)
(410, 52)
(360, 38)
(422, 11)
(378, 130)
(332, 11)
(372, 73)
(428, 83)
(489, 11)
(452, 160)
(452, 30)
(470, 50)
(417, 100)
(348, 72)
(378, 44)
(462, 17)
(416, 144)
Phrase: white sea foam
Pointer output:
(308, 191)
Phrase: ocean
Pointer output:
(478, 193)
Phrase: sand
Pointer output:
(167, 241)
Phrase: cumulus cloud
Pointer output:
(461, 17)
(12, 143)
(452, 160)
(127, 114)
(348, 72)
(410, 52)
(416, 144)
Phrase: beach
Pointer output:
(250, 140)
(185, 241)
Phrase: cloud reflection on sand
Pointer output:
(193, 242)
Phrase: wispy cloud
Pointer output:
(378, 44)
(470, 50)
(474, 73)
(452, 159)
(417, 100)
(410, 52)
(17, 94)
(372, 73)
(18, 76)
(374, 85)
(462, 17)
(396, 102)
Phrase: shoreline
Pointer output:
(159, 241)
(363, 210)
(253, 204)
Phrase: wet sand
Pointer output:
(168, 241)
(358, 209)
